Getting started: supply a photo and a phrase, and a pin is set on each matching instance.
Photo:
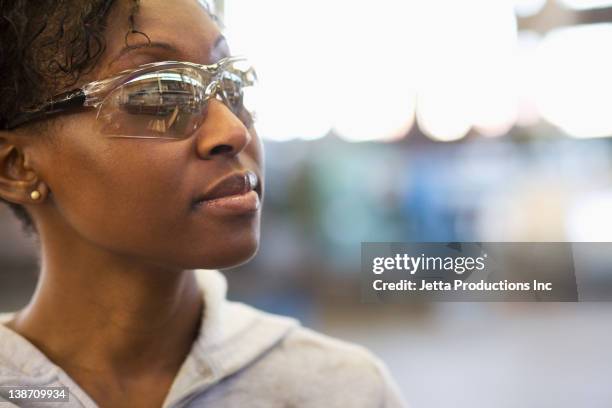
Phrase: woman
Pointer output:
(135, 170)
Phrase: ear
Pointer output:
(17, 179)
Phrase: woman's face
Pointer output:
(137, 197)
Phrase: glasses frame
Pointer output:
(92, 94)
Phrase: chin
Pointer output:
(236, 256)
(226, 253)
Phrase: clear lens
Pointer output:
(237, 87)
(171, 103)
(166, 104)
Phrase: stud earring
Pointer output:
(35, 195)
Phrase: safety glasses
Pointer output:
(165, 100)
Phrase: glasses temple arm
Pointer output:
(59, 103)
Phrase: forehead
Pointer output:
(184, 24)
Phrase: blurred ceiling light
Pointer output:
(317, 76)
(293, 101)
(442, 116)
(467, 64)
(387, 124)
(574, 85)
(357, 69)
(528, 8)
(585, 4)
(590, 218)
(373, 69)
(493, 99)
(527, 45)
(383, 114)
(502, 119)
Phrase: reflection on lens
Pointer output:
(164, 104)
(237, 85)
(231, 88)
(171, 103)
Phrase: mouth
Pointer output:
(236, 193)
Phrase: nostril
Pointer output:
(221, 149)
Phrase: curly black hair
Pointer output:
(47, 46)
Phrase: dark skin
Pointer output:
(117, 305)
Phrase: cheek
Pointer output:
(121, 194)
(134, 197)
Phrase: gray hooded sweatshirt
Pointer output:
(242, 358)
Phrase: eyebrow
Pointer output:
(153, 44)
(221, 40)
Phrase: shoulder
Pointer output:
(311, 369)
(328, 353)
(339, 369)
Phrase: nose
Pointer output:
(222, 133)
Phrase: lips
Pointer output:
(233, 185)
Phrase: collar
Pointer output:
(231, 336)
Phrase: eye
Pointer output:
(161, 95)
(161, 104)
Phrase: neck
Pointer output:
(102, 312)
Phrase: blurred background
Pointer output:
(425, 120)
